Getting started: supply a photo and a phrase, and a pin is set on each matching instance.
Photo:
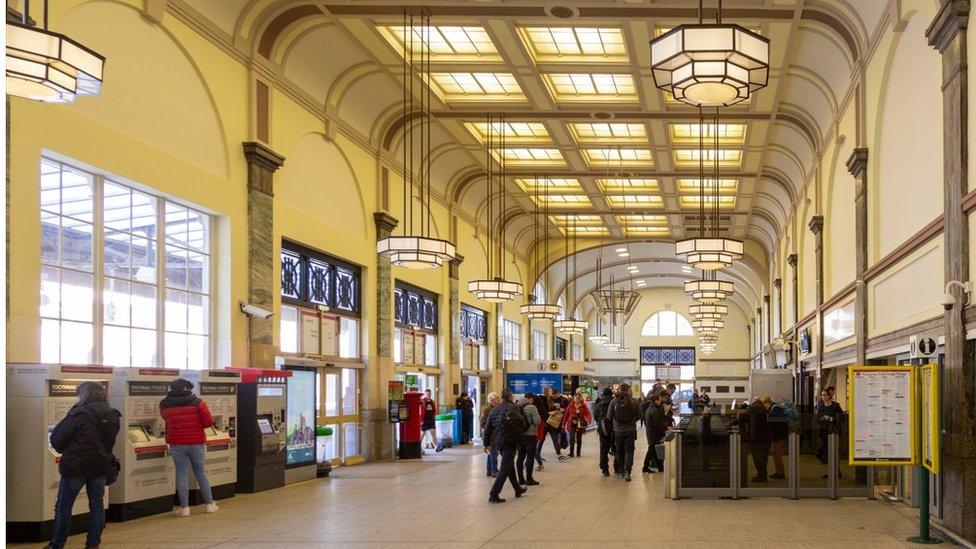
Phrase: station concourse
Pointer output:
(291, 272)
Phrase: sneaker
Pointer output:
(439, 449)
(563, 458)
(495, 499)
(212, 507)
(539, 468)
(521, 492)
(521, 482)
(532, 482)
(627, 477)
(182, 512)
(606, 473)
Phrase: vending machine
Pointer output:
(218, 389)
(261, 428)
(38, 397)
(147, 480)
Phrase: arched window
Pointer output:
(539, 292)
(667, 323)
(562, 309)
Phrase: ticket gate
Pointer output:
(147, 480)
(38, 397)
(261, 405)
(218, 389)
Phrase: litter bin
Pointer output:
(457, 426)
(444, 426)
(324, 450)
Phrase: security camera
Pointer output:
(948, 301)
(254, 310)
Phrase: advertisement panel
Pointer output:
(534, 383)
(300, 437)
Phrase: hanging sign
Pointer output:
(929, 377)
(882, 415)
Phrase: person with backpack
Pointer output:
(506, 425)
(624, 412)
(575, 421)
(526, 451)
(655, 427)
(604, 428)
(186, 418)
(84, 438)
(492, 460)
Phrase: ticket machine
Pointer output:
(147, 480)
(218, 389)
(261, 429)
(38, 397)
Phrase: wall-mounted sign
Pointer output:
(882, 415)
(521, 384)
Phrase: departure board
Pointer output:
(882, 425)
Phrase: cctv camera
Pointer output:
(948, 301)
(254, 310)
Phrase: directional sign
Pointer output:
(927, 346)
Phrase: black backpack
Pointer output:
(624, 410)
(514, 423)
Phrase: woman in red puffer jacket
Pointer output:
(186, 418)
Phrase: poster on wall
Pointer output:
(395, 401)
(300, 434)
(521, 384)
(881, 419)
(330, 335)
(310, 333)
(408, 347)
(419, 349)
(930, 417)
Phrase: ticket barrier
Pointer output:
(261, 405)
(147, 480)
(218, 389)
(38, 397)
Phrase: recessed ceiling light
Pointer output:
(624, 254)
(619, 250)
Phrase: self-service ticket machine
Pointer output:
(261, 415)
(147, 480)
(217, 388)
(38, 397)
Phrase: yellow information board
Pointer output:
(881, 418)
(929, 380)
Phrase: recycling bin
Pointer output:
(444, 426)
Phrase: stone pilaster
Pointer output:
(792, 261)
(498, 372)
(262, 261)
(778, 286)
(452, 375)
(378, 437)
(759, 329)
(857, 166)
(769, 320)
(816, 227)
(948, 34)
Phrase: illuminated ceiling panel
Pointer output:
(689, 158)
(554, 184)
(562, 200)
(725, 186)
(647, 231)
(621, 184)
(642, 219)
(528, 156)
(689, 134)
(603, 132)
(563, 220)
(617, 156)
(447, 43)
(575, 44)
(586, 230)
(591, 87)
(693, 201)
(515, 132)
(634, 201)
(477, 86)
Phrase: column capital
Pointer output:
(857, 164)
(766, 299)
(778, 283)
(791, 260)
(260, 154)
(454, 267)
(816, 224)
(953, 17)
(759, 311)
(385, 223)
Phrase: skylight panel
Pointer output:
(591, 87)
(725, 186)
(587, 132)
(690, 134)
(627, 184)
(690, 158)
(619, 156)
(575, 44)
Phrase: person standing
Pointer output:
(604, 428)
(466, 406)
(493, 452)
(779, 431)
(429, 425)
(655, 427)
(186, 418)
(829, 415)
(624, 412)
(84, 438)
(526, 451)
(759, 437)
(575, 421)
(504, 423)
(542, 405)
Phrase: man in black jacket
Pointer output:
(624, 412)
(759, 442)
(655, 426)
(508, 444)
(604, 428)
(466, 407)
(84, 438)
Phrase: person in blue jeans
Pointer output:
(186, 418)
(84, 438)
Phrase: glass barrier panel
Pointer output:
(812, 462)
(705, 451)
(848, 476)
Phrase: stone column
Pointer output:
(791, 260)
(857, 166)
(262, 262)
(498, 372)
(454, 344)
(948, 34)
(769, 318)
(816, 227)
(378, 439)
(752, 343)
(778, 286)
(759, 329)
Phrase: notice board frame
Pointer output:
(913, 421)
(930, 430)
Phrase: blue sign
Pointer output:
(534, 383)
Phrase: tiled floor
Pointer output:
(443, 502)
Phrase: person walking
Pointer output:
(466, 406)
(604, 428)
(186, 418)
(542, 405)
(429, 426)
(759, 437)
(507, 423)
(575, 421)
(526, 451)
(557, 407)
(493, 452)
(655, 427)
(624, 412)
(84, 438)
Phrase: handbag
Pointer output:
(564, 440)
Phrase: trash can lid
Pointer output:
(444, 417)
(323, 431)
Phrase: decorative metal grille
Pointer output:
(310, 278)
(679, 356)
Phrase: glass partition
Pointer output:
(705, 458)
(812, 461)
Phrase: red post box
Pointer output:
(410, 429)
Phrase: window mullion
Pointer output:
(160, 282)
(98, 271)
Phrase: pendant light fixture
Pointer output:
(710, 64)
(570, 325)
(709, 252)
(495, 289)
(708, 311)
(43, 65)
(708, 289)
(416, 248)
(611, 345)
(707, 323)
(599, 338)
(538, 308)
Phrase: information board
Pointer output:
(930, 417)
(534, 383)
(882, 418)
(395, 400)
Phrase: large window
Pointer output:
(125, 274)
(474, 337)
(560, 348)
(512, 340)
(415, 317)
(538, 345)
(667, 323)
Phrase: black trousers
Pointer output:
(760, 458)
(625, 450)
(526, 458)
(467, 428)
(557, 436)
(575, 441)
(606, 443)
(650, 458)
(506, 470)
